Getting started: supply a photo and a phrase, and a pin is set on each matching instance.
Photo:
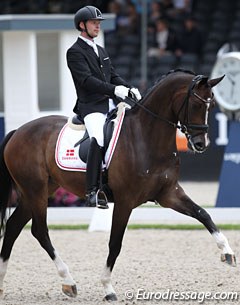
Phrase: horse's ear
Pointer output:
(203, 80)
(213, 82)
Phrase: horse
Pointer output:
(145, 167)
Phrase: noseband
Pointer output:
(184, 127)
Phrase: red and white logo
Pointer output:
(70, 152)
(70, 155)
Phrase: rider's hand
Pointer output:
(136, 93)
(121, 91)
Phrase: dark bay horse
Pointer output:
(145, 167)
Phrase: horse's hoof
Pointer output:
(229, 259)
(111, 297)
(70, 291)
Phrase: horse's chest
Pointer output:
(159, 165)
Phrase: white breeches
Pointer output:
(94, 123)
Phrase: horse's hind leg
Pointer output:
(180, 202)
(40, 232)
(14, 226)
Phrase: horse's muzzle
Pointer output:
(199, 143)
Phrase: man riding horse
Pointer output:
(97, 86)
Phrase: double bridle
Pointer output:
(186, 126)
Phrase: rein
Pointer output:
(156, 116)
(184, 128)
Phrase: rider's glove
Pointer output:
(121, 91)
(136, 93)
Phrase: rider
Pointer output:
(97, 85)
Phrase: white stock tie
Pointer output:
(94, 46)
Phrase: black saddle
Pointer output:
(85, 141)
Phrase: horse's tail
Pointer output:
(5, 183)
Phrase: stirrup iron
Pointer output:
(101, 196)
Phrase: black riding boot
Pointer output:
(94, 164)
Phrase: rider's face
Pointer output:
(93, 27)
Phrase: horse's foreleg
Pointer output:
(119, 223)
(14, 226)
(69, 286)
(181, 203)
(3, 271)
(40, 232)
(227, 253)
(201, 215)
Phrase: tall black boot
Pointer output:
(94, 164)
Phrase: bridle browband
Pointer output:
(183, 127)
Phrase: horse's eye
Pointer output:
(196, 105)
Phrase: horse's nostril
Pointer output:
(199, 146)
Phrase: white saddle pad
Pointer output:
(67, 156)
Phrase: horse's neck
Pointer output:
(151, 135)
(156, 126)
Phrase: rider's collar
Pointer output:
(90, 43)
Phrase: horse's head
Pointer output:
(194, 111)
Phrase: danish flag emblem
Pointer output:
(70, 152)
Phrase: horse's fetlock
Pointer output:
(222, 243)
(63, 272)
(105, 280)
